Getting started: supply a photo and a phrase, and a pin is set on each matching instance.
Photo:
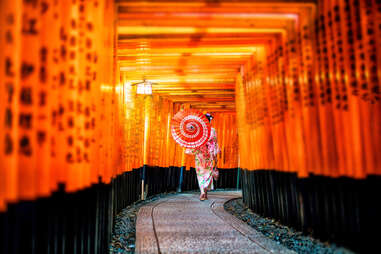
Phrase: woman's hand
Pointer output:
(215, 162)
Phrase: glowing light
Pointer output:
(191, 30)
(224, 54)
(127, 93)
(106, 88)
(144, 88)
(189, 80)
(237, 15)
(119, 89)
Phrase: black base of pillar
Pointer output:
(227, 179)
(63, 223)
(341, 210)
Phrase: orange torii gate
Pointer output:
(294, 88)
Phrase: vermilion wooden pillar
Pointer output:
(28, 100)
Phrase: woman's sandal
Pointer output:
(202, 197)
(206, 193)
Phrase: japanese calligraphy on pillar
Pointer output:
(43, 129)
(10, 89)
(28, 98)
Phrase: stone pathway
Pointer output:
(184, 224)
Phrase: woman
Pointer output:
(206, 162)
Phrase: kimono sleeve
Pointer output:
(189, 151)
(215, 148)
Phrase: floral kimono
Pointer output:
(205, 157)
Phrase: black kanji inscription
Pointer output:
(10, 91)
(72, 55)
(26, 96)
(9, 37)
(8, 67)
(61, 110)
(25, 146)
(69, 158)
(44, 7)
(63, 35)
(8, 118)
(54, 117)
(70, 141)
(43, 74)
(89, 26)
(25, 121)
(8, 149)
(29, 26)
(70, 122)
(88, 85)
(62, 78)
(63, 52)
(86, 158)
(43, 54)
(87, 143)
(41, 137)
(42, 101)
(31, 2)
(10, 19)
(26, 70)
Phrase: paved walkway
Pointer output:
(184, 224)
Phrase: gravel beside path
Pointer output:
(284, 235)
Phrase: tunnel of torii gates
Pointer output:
(294, 87)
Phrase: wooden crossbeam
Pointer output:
(194, 49)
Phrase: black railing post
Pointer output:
(143, 178)
(179, 189)
(238, 175)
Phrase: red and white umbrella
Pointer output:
(190, 128)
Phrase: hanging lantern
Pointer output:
(144, 88)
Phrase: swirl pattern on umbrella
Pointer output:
(190, 128)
